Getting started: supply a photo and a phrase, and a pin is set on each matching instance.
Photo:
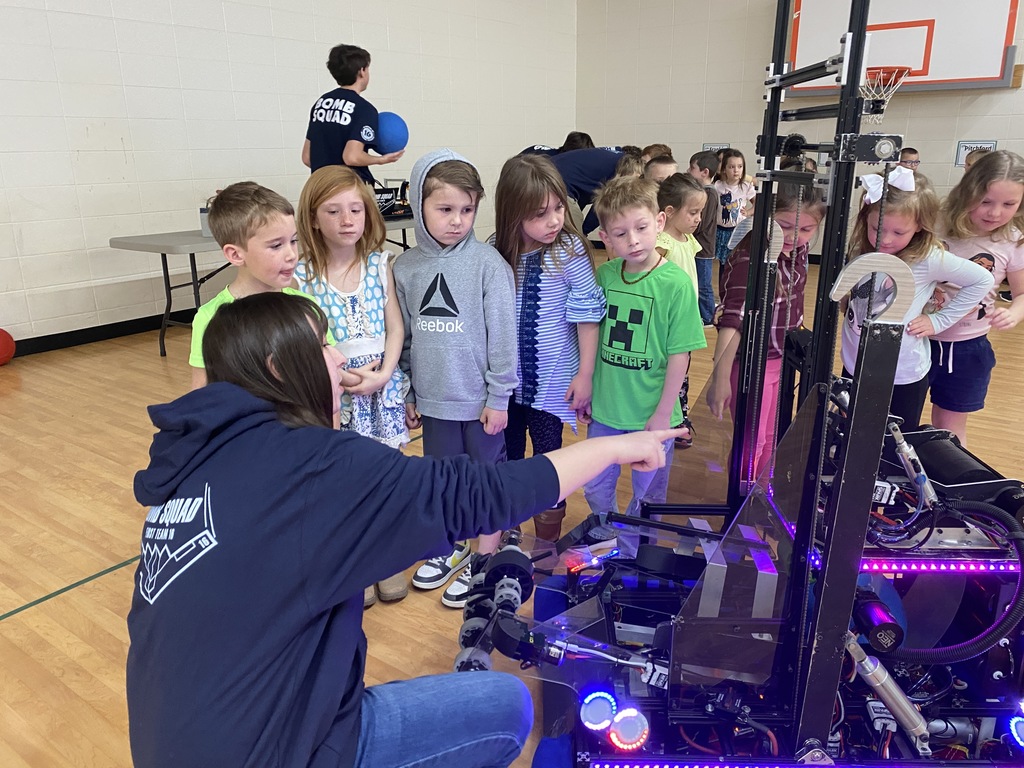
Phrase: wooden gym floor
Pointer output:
(74, 430)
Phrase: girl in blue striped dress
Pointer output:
(558, 308)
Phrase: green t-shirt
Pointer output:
(205, 313)
(647, 321)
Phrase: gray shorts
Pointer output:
(453, 438)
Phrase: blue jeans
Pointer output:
(705, 290)
(647, 486)
(469, 720)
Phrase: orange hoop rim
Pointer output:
(885, 75)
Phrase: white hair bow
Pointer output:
(899, 177)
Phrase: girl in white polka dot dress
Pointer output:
(341, 232)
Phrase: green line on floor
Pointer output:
(87, 579)
(68, 588)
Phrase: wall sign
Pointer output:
(963, 148)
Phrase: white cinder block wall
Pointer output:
(688, 72)
(120, 117)
(649, 71)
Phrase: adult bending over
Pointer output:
(264, 528)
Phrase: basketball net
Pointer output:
(880, 83)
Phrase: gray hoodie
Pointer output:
(459, 307)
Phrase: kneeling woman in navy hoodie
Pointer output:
(264, 527)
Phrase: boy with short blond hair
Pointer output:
(650, 328)
(655, 150)
(255, 228)
(458, 302)
(660, 168)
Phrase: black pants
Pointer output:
(907, 401)
(545, 431)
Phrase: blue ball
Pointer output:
(392, 133)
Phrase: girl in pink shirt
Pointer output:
(984, 223)
(735, 198)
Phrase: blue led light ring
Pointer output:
(597, 710)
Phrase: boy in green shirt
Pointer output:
(255, 227)
(651, 326)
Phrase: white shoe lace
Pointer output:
(461, 584)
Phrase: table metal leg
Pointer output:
(167, 305)
(405, 239)
(196, 282)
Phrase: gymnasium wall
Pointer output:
(691, 71)
(120, 117)
(683, 72)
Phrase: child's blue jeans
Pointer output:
(705, 290)
(647, 486)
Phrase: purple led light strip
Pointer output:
(896, 565)
(662, 763)
(888, 565)
(677, 764)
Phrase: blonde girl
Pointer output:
(983, 222)
(343, 268)
(908, 225)
(558, 307)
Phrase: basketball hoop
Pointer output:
(880, 83)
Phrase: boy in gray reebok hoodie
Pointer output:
(458, 302)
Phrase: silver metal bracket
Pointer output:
(813, 754)
(844, 49)
(770, 82)
(868, 147)
(887, 264)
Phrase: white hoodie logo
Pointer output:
(177, 534)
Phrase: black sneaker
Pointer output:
(457, 593)
(686, 442)
(438, 570)
(1005, 296)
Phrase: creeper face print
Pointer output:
(628, 326)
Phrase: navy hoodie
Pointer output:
(584, 170)
(246, 618)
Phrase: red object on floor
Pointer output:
(6, 347)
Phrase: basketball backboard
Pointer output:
(946, 43)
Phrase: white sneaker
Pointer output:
(458, 591)
(437, 570)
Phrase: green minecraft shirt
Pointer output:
(647, 320)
